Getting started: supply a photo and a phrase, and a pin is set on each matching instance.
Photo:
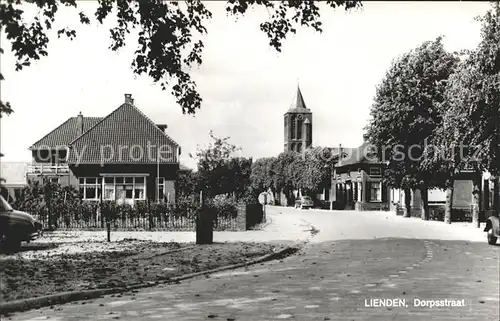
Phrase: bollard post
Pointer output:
(204, 224)
(108, 229)
(105, 211)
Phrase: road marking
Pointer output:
(394, 276)
(284, 316)
(313, 306)
(370, 285)
(355, 291)
(383, 280)
(409, 268)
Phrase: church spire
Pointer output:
(298, 101)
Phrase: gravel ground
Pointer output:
(47, 268)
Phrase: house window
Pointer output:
(90, 188)
(375, 171)
(109, 188)
(375, 189)
(54, 180)
(18, 192)
(139, 188)
(128, 188)
(160, 188)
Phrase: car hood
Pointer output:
(22, 216)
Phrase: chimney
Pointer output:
(79, 124)
(162, 127)
(129, 99)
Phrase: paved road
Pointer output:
(354, 260)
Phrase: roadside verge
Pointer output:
(65, 297)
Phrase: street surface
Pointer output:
(355, 259)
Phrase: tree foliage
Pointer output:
(289, 171)
(170, 33)
(219, 171)
(473, 101)
(406, 111)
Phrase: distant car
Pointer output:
(16, 226)
(304, 202)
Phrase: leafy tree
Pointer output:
(239, 170)
(406, 111)
(280, 174)
(473, 116)
(186, 185)
(170, 32)
(291, 171)
(318, 165)
(261, 176)
(219, 172)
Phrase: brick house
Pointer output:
(357, 180)
(124, 156)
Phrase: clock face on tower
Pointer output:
(299, 117)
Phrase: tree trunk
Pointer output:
(407, 210)
(476, 195)
(496, 196)
(449, 203)
(424, 194)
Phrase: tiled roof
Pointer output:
(65, 133)
(298, 104)
(126, 136)
(361, 154)
(14, 173)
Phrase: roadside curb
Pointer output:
(65, 297)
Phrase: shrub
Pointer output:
(223, 206)
(251, 196)
(160, 210)
(125, 211)
(141, 209)
(109, 212)
(88, 211)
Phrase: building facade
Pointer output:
(124, 157)
(357, 180)
(14, 179)
(298, 124)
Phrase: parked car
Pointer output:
(304, 202)
(492, 229)
(16, 226)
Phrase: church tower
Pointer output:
(298, 125)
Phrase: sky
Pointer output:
(245, 84)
